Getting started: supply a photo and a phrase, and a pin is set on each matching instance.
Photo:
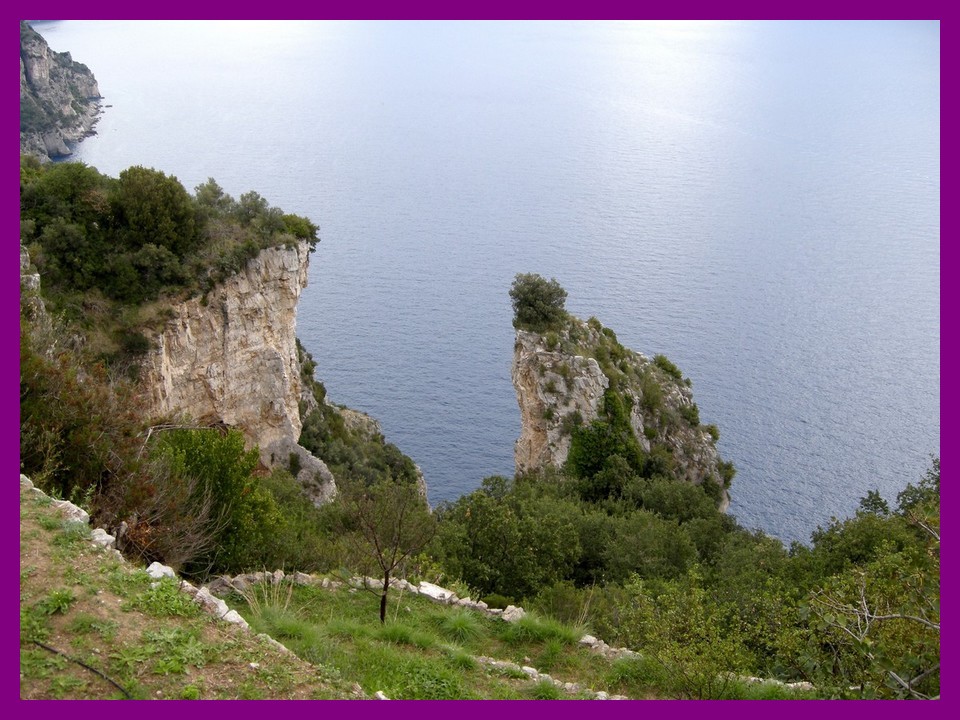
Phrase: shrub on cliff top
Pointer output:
(537, 302)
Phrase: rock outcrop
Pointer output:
(231, 357)
(561, 378)
(551, 386)
(59, 98)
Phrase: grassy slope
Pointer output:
(152, 641)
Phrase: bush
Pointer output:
(564, 602)
(682, 630)
(662, 362)
(243, 514)
(461, 626)
(538, 304)
(154, 208)
(78, 433)
(690, 413)
(501, 540)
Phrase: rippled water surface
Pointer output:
(758, 201)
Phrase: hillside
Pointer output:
(80, 603)
(95, 627)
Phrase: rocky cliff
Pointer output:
(231, 357)
(59, 98)
(561, 378)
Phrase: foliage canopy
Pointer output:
(538, 304)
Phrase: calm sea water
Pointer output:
(758, 201)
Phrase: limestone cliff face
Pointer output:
(232, 358)
(560, 378)
(551, 387)
(58, 98)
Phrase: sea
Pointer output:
(758, 201)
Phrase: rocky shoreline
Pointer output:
(60, 101)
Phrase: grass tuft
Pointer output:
(461, 626)
(533, 629)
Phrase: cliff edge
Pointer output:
(231, 357)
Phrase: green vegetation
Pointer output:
(107, 248)
(614, 543)
(699, 597)
(92, 628)
(537, 302)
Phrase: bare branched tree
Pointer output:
(386, 523)
(177, 523)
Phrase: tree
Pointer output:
(879, 622)
(153, 208)
(537, 302)
(509, 538)
(386, 523)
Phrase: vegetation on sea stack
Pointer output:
(537, 302)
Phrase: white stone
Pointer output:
(157, 570)
(434, 591)
(588, 640)
(381, 696)
(270, 641)
(532, 672)
(74, 513)
(102, 538)
(232, 616)
(213, 605)
(513, 613)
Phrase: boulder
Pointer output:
(512, 613)
(102, 538)
(157, 571)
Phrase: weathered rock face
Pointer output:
(232, 358)
(551, 388)
(58, 98)
(560, 384)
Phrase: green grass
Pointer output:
(425, 650)
(92, 627)
(531, 629)
(163, 599)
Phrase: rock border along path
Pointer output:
(207, 597)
